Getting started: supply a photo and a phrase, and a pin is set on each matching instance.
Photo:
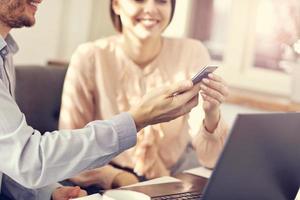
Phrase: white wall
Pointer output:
(64, 24)
(180, 24)
(101, 25)
(76, 25)
(39, 43)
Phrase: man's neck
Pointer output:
(4, 30)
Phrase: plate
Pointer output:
(124, 194)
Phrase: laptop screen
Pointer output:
(261, 159)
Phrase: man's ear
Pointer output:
(116, 6)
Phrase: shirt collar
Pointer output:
(8, 45)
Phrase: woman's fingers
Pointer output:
(217, 83)
(215, 87)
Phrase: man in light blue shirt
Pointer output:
(11, 189)
(35, 160)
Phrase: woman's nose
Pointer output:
(150, 6)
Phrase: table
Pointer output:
(190, 183)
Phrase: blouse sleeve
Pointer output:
(208, 145)
(78, 102)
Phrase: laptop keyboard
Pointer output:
(181, 196)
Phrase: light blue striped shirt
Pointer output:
(8, 48)
(35, 160)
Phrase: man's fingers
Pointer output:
(193, 102)
(185, 97)
(180, 87)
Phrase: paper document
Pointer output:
(164, 179)
(200, 171)
(90, 197)
(298, 195)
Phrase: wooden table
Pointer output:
(190, 183)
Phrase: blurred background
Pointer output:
(256, 43)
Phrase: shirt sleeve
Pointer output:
(35, 160)
(13, 190)
(208, 145)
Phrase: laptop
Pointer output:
(261, 160)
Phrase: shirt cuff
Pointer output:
(126, 129)
(219, 132)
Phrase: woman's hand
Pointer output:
(123, 179)
(214, 92)
(68, 192)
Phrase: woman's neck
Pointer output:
(141, 52)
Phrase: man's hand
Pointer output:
(165, 104)
(66, 193)
(123, 179)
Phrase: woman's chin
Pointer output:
(146, 35)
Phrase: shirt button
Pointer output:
(4, 52)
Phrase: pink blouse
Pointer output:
(102, 81)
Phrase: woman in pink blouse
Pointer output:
(110, 75)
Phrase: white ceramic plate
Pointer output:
(124, 194)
